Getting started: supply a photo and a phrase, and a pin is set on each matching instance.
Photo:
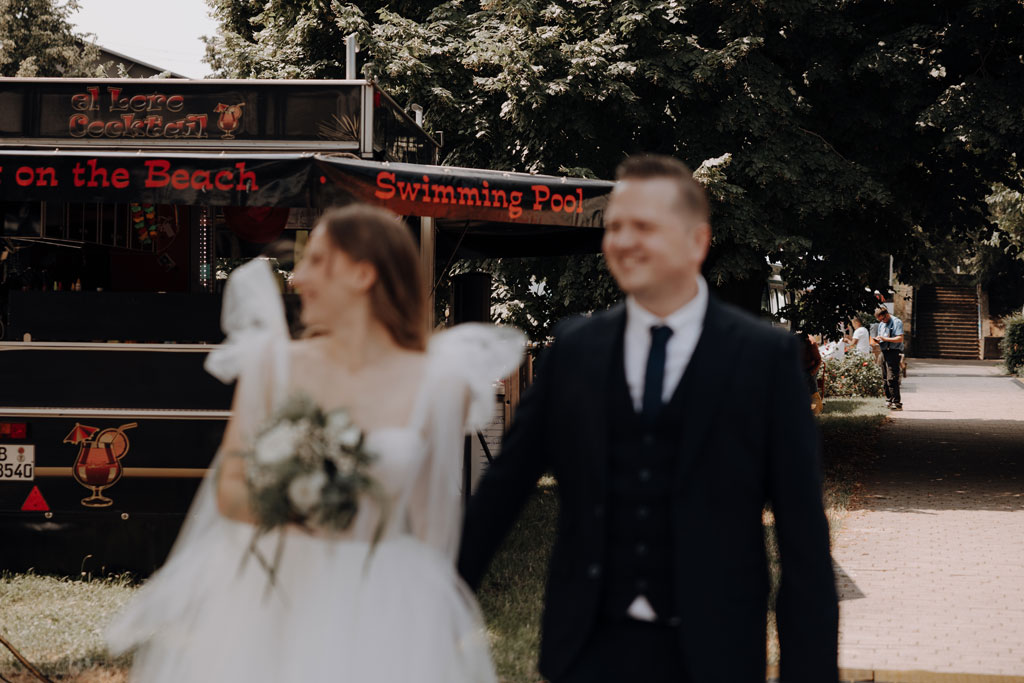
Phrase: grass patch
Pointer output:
(57, 624)
(512, 595)
(849, 433)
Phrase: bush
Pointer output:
(1012, 344)
(853, 375)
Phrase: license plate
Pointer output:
(17, 462)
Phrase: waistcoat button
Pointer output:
(645, 475)
(594, 570)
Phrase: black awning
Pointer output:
(496, 199)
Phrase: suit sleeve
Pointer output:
(807, 609)
(509, 481)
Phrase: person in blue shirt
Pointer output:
(890, 339)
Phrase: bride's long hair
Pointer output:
(380, 238)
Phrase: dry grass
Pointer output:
(56, 623)
(94, 675)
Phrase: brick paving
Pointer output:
(930, 561)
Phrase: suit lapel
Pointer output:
(597, 357)
(703, 386)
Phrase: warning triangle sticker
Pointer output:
(35, 501)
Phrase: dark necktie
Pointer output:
(654, 380)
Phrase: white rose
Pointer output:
(304, 491)
(277, 445)
(341, 432)
(338, 421)
(350, 437)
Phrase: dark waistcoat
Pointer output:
(642, 460)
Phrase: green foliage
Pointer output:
(1012, 345)
(998, 262)
(853, 375)
(535, 293)
(1006, 205)
(828, 134)
(37, 39)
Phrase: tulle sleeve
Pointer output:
(205, 556)
(252, 313)
(465, 362)
(475, 355)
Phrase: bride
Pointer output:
(337, 609)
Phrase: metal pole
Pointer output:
(427, 265)
(467, 470)
(351, 48)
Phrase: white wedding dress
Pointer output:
(336, 612)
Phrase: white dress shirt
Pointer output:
(686, 324)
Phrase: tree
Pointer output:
(829, 134)
(37, 39)
(998, 262)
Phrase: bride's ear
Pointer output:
(364, 275)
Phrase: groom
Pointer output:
(669, 422)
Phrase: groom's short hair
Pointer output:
(692, 196)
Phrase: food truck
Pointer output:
(125, 204)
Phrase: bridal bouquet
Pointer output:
(308, 467)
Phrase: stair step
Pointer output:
(947, 344)
(947, 347)
(925, 330)
(929, 330)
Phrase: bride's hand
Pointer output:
(232, 492)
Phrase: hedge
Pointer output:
(1012, 344)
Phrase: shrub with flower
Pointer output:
(1012, 345)
(853, 375)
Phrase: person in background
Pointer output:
(890, 341)
(810, 357)
(859, 341)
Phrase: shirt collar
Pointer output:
(691, 313)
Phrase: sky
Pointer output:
(161, 33)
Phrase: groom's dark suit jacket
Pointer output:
(748, 439)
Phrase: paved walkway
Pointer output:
(930, 560)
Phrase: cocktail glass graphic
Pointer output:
(229, 119)
(98, 465)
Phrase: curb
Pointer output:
(887, 676)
